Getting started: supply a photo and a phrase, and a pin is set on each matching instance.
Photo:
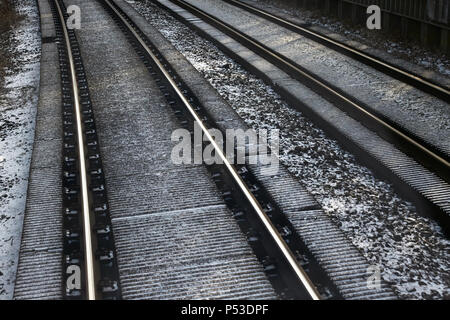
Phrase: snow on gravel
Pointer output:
(412, 251)
(18, 100)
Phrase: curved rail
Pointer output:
(86, 214)
(90, 269)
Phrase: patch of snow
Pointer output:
(17, 120)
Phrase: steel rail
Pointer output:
(395, 71)
(418, 150)
(89, 255)
(287, 253)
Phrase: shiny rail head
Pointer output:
(90, 266)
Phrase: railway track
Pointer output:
(268, 221)
(394, 71)
(89, 254)
(95, 262)
(177, 92)
(126, 243)
(432, 189)
(431, 157)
